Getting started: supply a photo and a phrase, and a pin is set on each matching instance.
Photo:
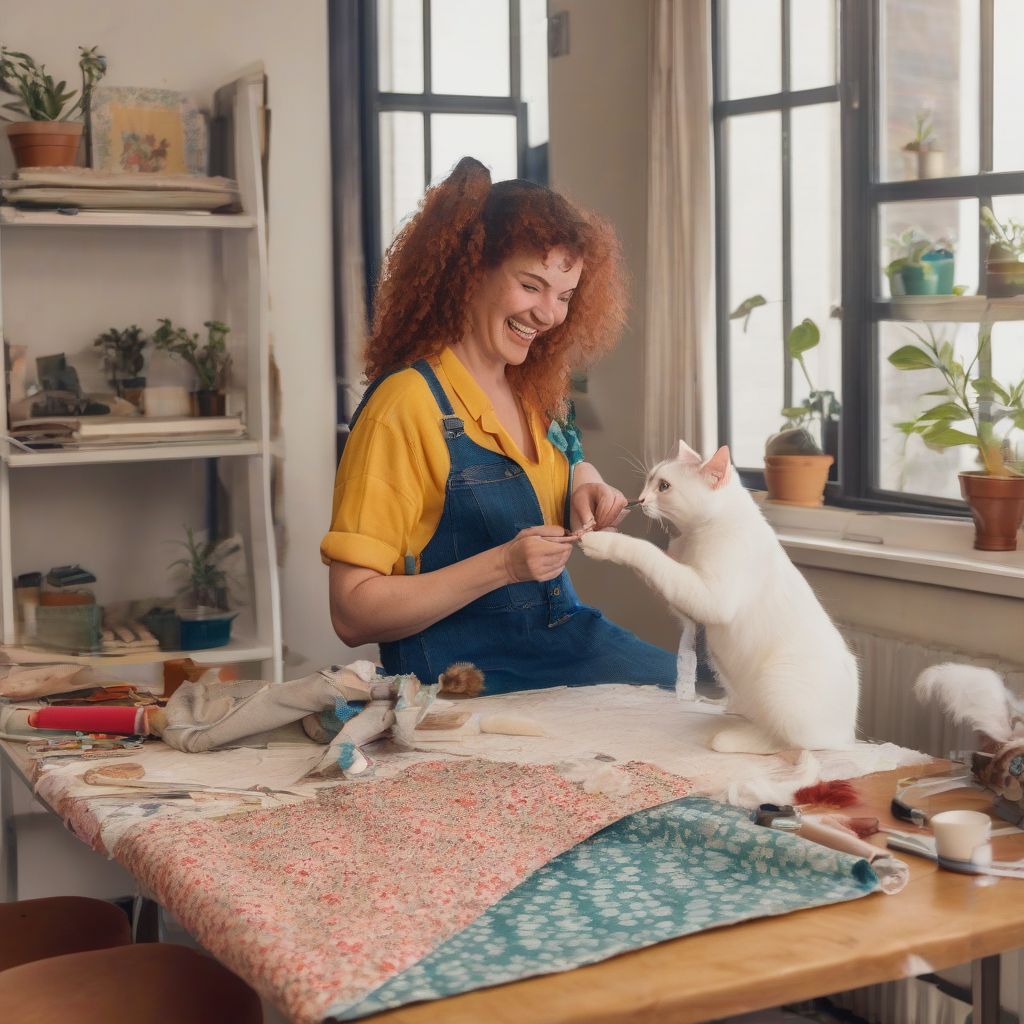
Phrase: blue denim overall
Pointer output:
(524, 635)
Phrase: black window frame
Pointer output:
(862, 196)
(376, 102)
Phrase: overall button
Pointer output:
(556, 591)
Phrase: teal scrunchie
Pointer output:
(566, 437)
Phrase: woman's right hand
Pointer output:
(537, 553)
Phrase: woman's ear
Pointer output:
(718, 468)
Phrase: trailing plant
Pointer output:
(968, 397)
(210, 361)
(819, 405)
(40, 98)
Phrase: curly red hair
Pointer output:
(466, 225)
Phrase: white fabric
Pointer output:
(679, 295)
(619, 722)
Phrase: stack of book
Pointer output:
(86, 189)
(86, 431)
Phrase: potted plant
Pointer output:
(205, 618)
(211, 361)
(974, 409)
(1004, 262)
(48, 138)
(122, 352)
(796, 463)
(929, 160)
(920, 266)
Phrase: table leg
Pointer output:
(985, 990)
(8, 836)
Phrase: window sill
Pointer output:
(921, 549)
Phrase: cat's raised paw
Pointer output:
(598, 544)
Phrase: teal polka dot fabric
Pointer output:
(656, 875)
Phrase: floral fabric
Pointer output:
(664, 872)
(319, 903)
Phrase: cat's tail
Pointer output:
(969, 694)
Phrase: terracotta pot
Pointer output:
(797, 479)
(997, 505)
(45, 143)
(211, 403)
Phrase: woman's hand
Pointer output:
(596, 506)
(537, 553)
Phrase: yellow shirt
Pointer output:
(390, 488)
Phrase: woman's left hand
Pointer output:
(596, 506)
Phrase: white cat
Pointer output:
(781, 660)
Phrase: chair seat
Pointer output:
(36, 929)
(153, 982)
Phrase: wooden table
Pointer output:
(939, 920)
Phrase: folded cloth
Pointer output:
(209, 714)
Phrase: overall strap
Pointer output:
(368, 394)
(451, 424)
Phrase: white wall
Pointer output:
(195, 46)
(598, 154)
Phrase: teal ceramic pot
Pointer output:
(919, 279)
(942, 262)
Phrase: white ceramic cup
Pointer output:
(958, 834)
(167, 400)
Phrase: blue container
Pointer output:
(204, 629)
(942, 262)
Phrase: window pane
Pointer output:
(753, 45)
(929, 89)
(905, 463)
(950, 224)
(469, 47)
(1008, 126)
(754, 198)
(400, 45)
(813, 43)
(401, 169)
(533, 37)
(491, 138)
(816, 280)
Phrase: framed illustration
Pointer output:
(143, 130)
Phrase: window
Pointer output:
(446, 79)
(843, 131)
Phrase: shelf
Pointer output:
(240, 649)
(956, 309)
(157, 452)
(11, 217)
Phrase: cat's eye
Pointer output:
(663, 485)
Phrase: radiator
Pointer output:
(890, 712)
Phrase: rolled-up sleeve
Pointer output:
(377, 500)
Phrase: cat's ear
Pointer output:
(718, 468)
(687, 456)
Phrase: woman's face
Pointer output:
(517, 301)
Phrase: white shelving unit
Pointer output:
(116, 509)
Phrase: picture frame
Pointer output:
(143, 130)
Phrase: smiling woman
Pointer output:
(453, 501)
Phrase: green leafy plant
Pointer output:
(211, 361)
(924, 133)
(206, 582)
(1006, 239)
(122, 351)
(819, 405)
(972, 403)
(40, 98)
